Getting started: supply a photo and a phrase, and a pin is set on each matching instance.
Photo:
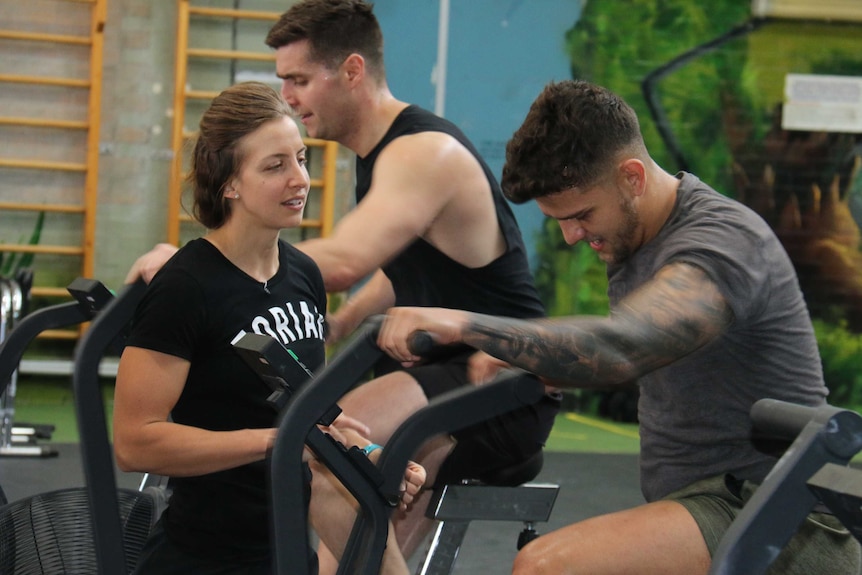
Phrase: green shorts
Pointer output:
(821, 546)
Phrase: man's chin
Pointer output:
(310, 129)
(609, 256)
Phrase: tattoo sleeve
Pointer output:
(675, 313)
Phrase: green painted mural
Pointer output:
(708, 84)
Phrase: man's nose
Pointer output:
(573, 232)
(287, 94)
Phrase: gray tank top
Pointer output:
(694, 414)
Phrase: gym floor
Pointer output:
(593, 460)
(590, 484)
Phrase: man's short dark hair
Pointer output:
(334, 30)
(569, 139)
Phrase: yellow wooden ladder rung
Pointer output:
(26, 207)
(230, 54)
(44, 81)
(42, 165)
(44, 123)
(201, 94)
(58, 334)
(42, 37)
(229, 13)
(42, 249)
(47, 291)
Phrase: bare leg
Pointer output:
(659, 538)
(383, 404)
(327, 563)
(332, 512)
(412, 527)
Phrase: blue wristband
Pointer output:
(369, 448)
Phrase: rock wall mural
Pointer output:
(708, 83)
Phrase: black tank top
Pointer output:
(422, 275)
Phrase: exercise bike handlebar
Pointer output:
(819, 435)
(14, 346)
(784, 420)
(453, 411)
(97, 456)
(90, 295)
(422, 343)
(297, 428)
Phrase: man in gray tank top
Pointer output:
(706, 313)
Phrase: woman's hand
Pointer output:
(414, 474)
(344, 422)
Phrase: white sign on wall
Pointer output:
(822, 103)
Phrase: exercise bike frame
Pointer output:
(377, 494)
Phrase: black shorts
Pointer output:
(498, 443)
(162, 555)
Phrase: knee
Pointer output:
(323, 484)
(535, 559)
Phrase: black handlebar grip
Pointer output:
(784, 420)
(421, 343)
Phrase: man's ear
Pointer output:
(633, 174)
(354, 68)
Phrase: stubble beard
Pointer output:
(624, 244)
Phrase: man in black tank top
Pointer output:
(431, 227)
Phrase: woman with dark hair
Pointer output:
(186, 406)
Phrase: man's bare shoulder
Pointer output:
(432, 161)
(423, 147)
(435, 170)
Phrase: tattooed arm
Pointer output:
(675, 313)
